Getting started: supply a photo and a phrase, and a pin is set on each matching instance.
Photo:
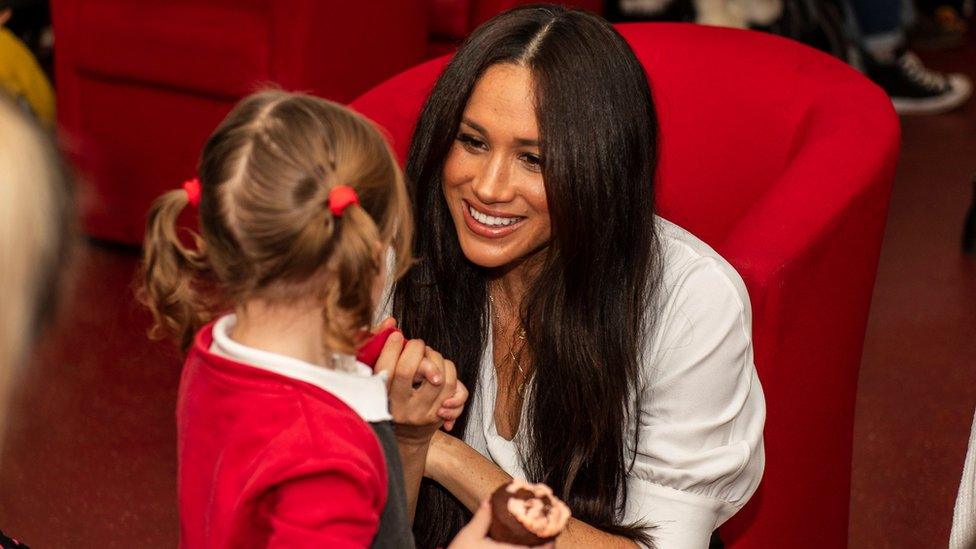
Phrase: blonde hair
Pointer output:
(35, 224)
(267, 231)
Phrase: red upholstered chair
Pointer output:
(781, 158)
(141, 83)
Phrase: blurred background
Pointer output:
(132, 88)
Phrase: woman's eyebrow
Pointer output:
(519, 141)
(475, 126)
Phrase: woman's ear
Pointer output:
(5, 15)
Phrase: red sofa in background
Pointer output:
(781, 158)
(452, 20)
(141, 83)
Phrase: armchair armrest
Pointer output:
(815, 249)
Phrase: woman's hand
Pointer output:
(475, 534)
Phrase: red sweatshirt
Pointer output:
(268, 460)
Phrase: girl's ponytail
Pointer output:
(171, 275)
(355, 261)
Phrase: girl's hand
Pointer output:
(388, 322)
(475, 534)
(387, 361)
(432, 369)
(451, 408)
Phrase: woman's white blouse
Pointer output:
(700, 453)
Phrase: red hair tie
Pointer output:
(192, 188)
(340, 198)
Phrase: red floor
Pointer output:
(89, 459)
(917, 388)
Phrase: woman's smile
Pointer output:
(487, 223)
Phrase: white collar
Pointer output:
(361, 389)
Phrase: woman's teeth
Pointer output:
(491, 220)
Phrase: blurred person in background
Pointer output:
(35, 228)
(941, 24)
(963, 535)
(913, 87)
(21, 75)
(871, 35)
(722, 13)
(31, 22)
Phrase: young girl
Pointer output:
(284, 438)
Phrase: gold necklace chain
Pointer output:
(519, 337)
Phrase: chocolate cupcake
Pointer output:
(526, 514)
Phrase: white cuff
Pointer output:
(674, 519)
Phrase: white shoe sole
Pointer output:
(960, 89)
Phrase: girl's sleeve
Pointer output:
(337, 505)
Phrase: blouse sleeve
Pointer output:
(699, 455)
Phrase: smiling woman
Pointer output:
(608, 351)
(493, 174)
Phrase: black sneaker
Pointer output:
(915, 89)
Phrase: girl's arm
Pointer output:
(471, 478)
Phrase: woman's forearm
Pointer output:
(413, 458)
(471, 478)
(579, 534)
(465, 473)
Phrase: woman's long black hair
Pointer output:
(586, 316)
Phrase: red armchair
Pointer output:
(781, 158)
(141, 83)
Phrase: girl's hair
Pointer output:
(267, 231)
(598, 142)
(36, 229)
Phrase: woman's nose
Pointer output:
(493, 184)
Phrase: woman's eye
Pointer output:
(532, 161)
(472, 143)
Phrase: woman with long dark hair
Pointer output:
(608, 351)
